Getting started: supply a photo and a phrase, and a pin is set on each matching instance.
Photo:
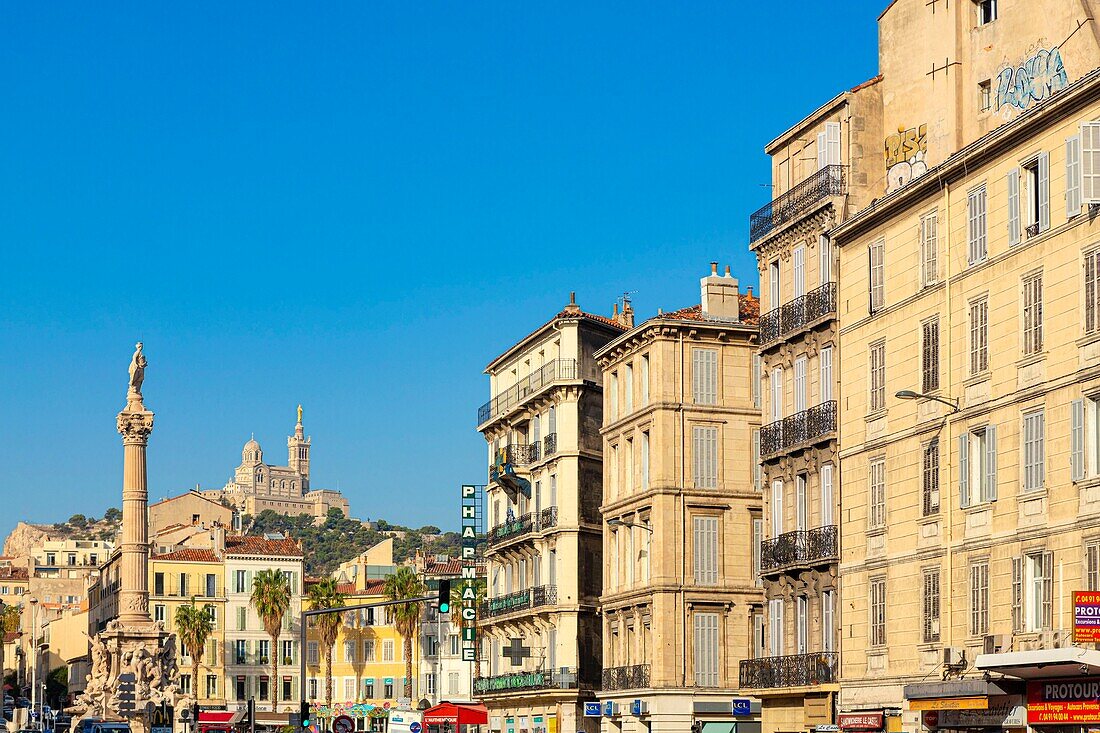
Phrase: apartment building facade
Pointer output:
(681, 506)
(539, 625)
(818, 179)
(443, 673)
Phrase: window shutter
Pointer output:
(964, 470)
(1048, 590)
(1073, 176)
(799, 280)
(800, 384)
(697, 555)
(822, 151)
(712, 435)
(1014, 206)
(827, 495)
(756, 378)
(1090, 162)
(757, 470)
(826, 365)
(697, 455)
(990, 464)
(1077, 440)
(1017, 594)
(832, 142)
(1044, 191)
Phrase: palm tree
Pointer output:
(271, 599)
(457, 602)
(9, 624)
(324, 594)
(193, 625)
(406, 616)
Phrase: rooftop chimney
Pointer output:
(719, 296)
(626, 317)
(572, 307)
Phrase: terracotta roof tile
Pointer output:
(189, 554)
(262, 547)
(452, 566)
(13, 573)
(749, 315)
(870, 82)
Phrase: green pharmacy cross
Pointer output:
(516, 652)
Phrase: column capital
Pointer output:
(134, 427)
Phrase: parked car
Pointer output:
(86, 725)
(110, 727)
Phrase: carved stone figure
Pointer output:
(137, 370)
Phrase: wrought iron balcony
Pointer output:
(634, 677)
(798, 314)
(829, 181)
(523, 525)
(548, 517)
(562, 678)
(542, 595)
(796, 670)
(552, 371)
(798, 430)
(803, 548)
(550, 445)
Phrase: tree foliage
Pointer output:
(271, 599)
(406, 616)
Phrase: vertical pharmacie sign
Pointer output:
(469, 572)
(1070, 701)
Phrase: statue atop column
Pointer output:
(137, 375)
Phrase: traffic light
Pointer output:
(696, 727)
(194, 716)
(444, 596)
(305, 714)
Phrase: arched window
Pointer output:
(293, 485)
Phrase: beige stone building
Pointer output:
(544, 551)
(174, 518)
(681, 507)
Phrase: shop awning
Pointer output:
(1042, 663)
(221, 717)
(456, 713)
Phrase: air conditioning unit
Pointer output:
(953, 657)
(996, 643)
(1049, 639)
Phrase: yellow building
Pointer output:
(178, 578)
(681, 510)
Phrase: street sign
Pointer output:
(593, 709)
(741, 706)
(344, 724)
(610, 709)
(414, 727)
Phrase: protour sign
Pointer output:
(1086, 617)
(1072, 701)
(469, 496)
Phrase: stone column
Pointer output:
(134, 424)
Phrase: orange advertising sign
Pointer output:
(1071, 702)
(1086, 616)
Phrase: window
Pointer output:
(242, 618)
(628, 484)
(645, 460)
(825, 266)
(1092, 565)
(452, 683)
(775, 627)
(705, 456)
(368, 650)
(800, 384)
(930, 477)
(777, 393)
(931, 605)
(826, 478)
(1033, 314)
(705, 548)
(1073, 176)
(158, 584)
(1035, 208)
(759, 634)
(757, 538)
(1034, 451)
(288, 692)
(211, 585)
(387, 688)
(828, 613)
(930, 356)
(777, 507)
(876, 515)
(706, 649)
(704, 376)
(798, 280)
(614, 396)
(159, 612)
(877, 282)
(288, 652)
(802, 624)
(241, 687)
(825, 367)
(757, 469)
(979, 599)
(644, 377)
(773, 274)
(801, 508)
(757, 377)
(1032, 591)
(979, 336)
(313, 688)
(311, 652)
(1092, 288)
(387, 650)
(878, 611)
(453, 640)
(238, 585)
(828, 145)
(212, 685)
(368, 688)
(240, 651)
(628, 389)
(212, 614)
(978, 466)
(877, 376)
(185, 684)
(429, 683)
(349, 650)
(183, 585)
(985, 95)
(929, 272)
(264, 688)
(976, 225)
(987, 11)
(1085, 438)
(1090, 162)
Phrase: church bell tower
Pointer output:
(298, 452)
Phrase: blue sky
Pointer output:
(356, 206)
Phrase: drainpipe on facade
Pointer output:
(683, 522)
(950, 447)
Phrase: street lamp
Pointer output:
(908, 394)
(34, 659)
(623, 523)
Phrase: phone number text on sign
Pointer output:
(1086, 616)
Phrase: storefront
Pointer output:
(1063, 686)
(863, 721)
(450, 717)
(969, 705)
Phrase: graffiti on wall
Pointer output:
(1034, 79)
(905, 153)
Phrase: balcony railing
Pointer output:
(829, 181)
(563, 678)
(799, 549)
(799, 429)
(799, 313)
(523, 525)
(552, 371)
(550, 445)
(797, 670)
(634, 677)
(542, 595)
(548, 518)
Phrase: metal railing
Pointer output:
(797, 670)
(550, 445)
(548, 518)
(799, 549)
(829, 181)
(542, 595)
(550, 372)
(523, 525)
(563, 678)
(798, 429)
(634, 677)
(799, 313)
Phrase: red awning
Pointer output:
(223, 717)
(457, 713)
